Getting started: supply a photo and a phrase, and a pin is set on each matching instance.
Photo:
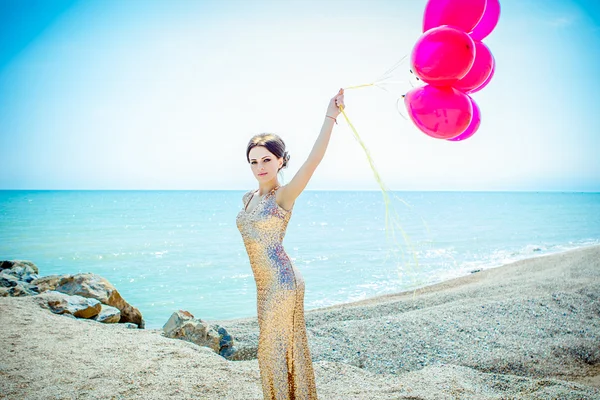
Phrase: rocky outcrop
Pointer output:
(16, 277)
(86, 295)
(25, 271)
(92, 286)
(183, 325)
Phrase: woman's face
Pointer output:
(264, 164)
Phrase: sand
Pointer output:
(528, 330)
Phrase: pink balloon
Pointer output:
(442, 56)
(479, 72)
(462, 14)
(440, 112)
(489, 78)
(488, 22)
(473, 126)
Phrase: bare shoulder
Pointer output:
(283, 199)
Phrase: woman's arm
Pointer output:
(292, 190)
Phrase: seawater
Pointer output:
(171, 250)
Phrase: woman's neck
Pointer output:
(267, 187)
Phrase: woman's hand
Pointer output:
(333, 110)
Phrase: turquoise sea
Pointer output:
(171, 250)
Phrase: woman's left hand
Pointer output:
(335, 103)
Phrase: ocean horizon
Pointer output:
(166, 250)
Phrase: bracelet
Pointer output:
(332, 118)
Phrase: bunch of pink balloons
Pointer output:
(454, 63)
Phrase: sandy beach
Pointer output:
(527, 330)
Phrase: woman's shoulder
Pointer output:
(247, 196)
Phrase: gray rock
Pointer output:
(49, 282)
(246, 339)
(25, 289)
(19, 268)
(109, 315)
(226, 344)
(177, 319)
(60, 303)
(30, 277)
(183, 325)
(8, 280)
(16, 276)
(18, 288)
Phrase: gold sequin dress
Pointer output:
(286, 369)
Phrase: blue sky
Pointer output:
(165, 95)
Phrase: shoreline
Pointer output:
(460, 280)
(526, 330)
(452, 282)
(497, 289)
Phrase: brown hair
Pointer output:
(271, 142)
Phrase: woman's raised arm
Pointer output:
(292, 190)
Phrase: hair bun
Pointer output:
(286, 158)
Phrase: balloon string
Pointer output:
(389, 221)
(360, 86)
(377, 84)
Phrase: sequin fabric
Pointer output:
(286, 369)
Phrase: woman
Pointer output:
(283, 355)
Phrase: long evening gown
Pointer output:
(286, 369)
